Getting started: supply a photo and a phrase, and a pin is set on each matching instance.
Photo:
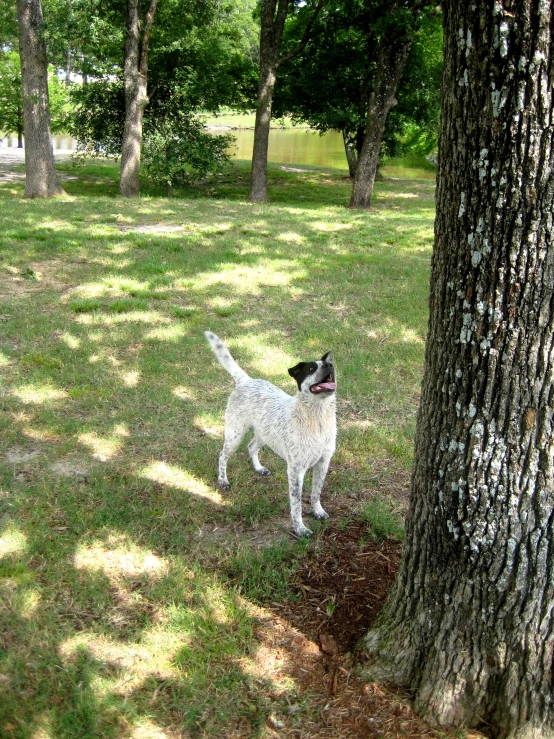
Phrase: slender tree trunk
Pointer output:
(68, 67)
(393, 55)
(273, 16)
(136, 97)
(19, 127)
(258, 178)
(469, 625)
(351, 153)
(40, 171)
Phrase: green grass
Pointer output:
(384, 519)
(129, 586)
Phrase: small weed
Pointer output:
(40, 359)
(383, 519)
(126, 305)
(179, 312)
(85, 305)
(28, 274)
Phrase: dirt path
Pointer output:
(11, 157)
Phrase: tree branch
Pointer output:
(149, 21)
(307, 36)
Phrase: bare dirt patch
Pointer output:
(20, 455)
(257, 537)
(71, 467)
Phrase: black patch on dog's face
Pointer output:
(321, 375)
(302, 370)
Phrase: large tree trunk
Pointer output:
(40, 171)
(136, 97)
(393, 55)
(469, 625)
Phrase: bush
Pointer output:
(179, 150)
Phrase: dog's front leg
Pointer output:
(318, 478)
(296, 481)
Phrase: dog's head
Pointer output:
(316, 378)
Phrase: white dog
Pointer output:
(301, 429)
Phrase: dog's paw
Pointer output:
(303, 531)
(263, 471)
(320, 514)
(223, 484)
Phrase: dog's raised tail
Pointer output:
(224, 357)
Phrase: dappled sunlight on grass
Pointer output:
(131, 378)
(209, 424)
(291, 238)
(131, 661)
(110, 319)
(13, 542)
(108, 286)
(166, 333)
(39, 394)
(184, 393)
(266, 357)
(117, 556)
(252, 279)
(71, 341)
(104, 448)
(175, 477)
(327, 227)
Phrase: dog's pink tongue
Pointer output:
(327, 385)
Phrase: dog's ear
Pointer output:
(296, 370)
(327, 358)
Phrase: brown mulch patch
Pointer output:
(342, 583)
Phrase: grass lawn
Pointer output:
(132, 589)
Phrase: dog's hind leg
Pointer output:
(234, 434)
(253, 448)
(296, 481)
(318, 478)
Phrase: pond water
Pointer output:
(301, 146)
(295, 146)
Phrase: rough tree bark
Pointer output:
(272, 24)
(135, 73)
(469, 624)
(394, 49)
(40, 171)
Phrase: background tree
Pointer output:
(469, 625)
(396, 26)
(135, 78)
(202, 56)
(328, 86)
(272, 23)
(40, 172)
(11, 97)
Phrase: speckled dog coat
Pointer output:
(300, 429)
